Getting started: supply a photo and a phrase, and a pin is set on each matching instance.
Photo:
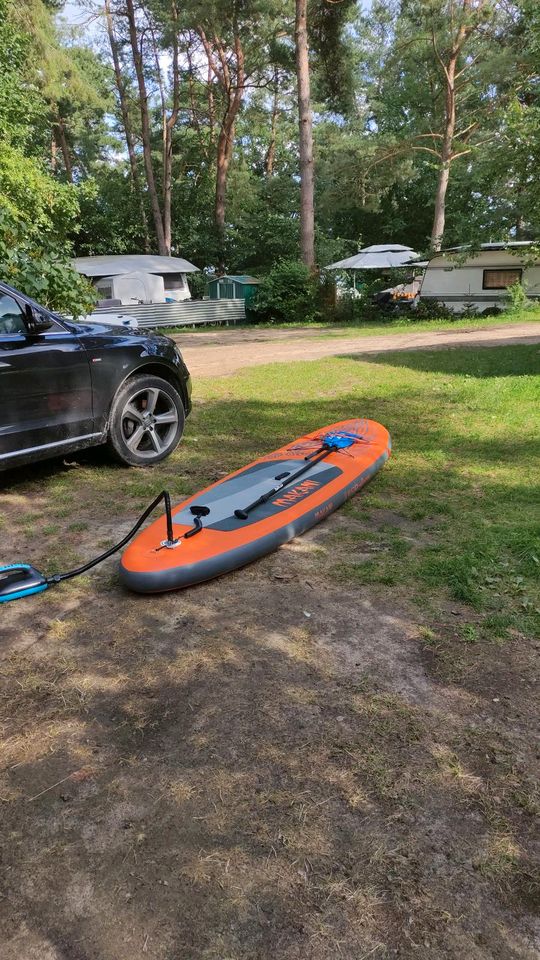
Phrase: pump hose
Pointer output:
(164, 495)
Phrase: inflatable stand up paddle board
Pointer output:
(253, 511)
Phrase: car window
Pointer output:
(11, 316)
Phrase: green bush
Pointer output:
(432, 310)
(360, 310)
(197, 283)
(42, 272)
(288, 294)
(516, 298)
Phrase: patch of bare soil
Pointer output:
(271, 765)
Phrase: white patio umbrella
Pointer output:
(380, 256)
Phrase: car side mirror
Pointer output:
(36, 322)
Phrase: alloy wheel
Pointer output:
(149, 422)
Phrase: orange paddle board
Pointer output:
(213, 533)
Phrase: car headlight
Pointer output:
(178, 356)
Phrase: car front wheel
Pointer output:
(146, 422)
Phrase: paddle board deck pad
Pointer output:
(225, 542)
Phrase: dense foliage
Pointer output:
(38, 211)
(162, 127)
(288, 293)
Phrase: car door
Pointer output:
(45, 385)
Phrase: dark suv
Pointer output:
(65, 385)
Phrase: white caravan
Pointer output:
(129, 279)
(130, 288)
(478, 280)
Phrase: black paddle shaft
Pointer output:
(242, 514)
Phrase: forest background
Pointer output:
(244, 133)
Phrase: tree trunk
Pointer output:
(521, 223)
(126, 122)
(211, 107)
(146, 131)
(307, 208)
(224, 154)
(167, 189)
(234, 92)
(437, 232)
(271, 152)
(64, 146)
(464, 31)
(225, 150)
(221, 190)
(169, 124)
(191, 91)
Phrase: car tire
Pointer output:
(146, 421)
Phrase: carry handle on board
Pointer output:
(198, 511)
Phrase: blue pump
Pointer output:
(20, 580)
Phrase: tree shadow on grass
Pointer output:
(222, 787)
(500, 361)
(241, 769)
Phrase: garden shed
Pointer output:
(237, 287)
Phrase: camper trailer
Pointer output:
(130, 288)
(478, 280)
(135, 279)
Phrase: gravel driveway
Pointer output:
(224, 351)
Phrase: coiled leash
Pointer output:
(19, 580)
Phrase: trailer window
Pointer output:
(106, 291)
(174, 281)
(500, 279)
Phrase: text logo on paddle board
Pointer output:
(296, 493)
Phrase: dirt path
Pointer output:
(219, 353)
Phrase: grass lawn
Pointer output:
(398, 325)
(328, 754)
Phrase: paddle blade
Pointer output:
(341, 440)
